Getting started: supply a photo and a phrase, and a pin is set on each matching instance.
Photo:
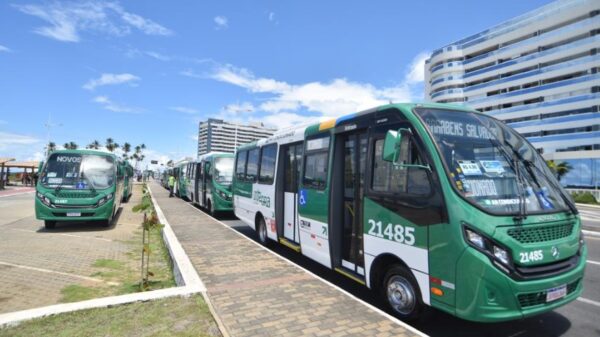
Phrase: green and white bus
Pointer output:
(210, 180)
(431, 205)
(180, 171)
(79, 185)
(127, 180)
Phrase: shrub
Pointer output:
(584, 198)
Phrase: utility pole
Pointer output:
(48, 126)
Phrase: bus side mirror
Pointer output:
(391, 144)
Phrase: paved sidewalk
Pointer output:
(16, 190)
(255, 293)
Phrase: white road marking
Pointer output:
(593, 262)
(15, 193)
(57, 272)
(63, 234)
(588, 301)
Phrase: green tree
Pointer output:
(111, 145)
(51, 147)
(95, 145)
(559, 169)
(126, 149)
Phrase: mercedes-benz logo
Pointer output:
(555, 252)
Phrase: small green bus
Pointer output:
(79, 185)
(210, 180)
(431, 205)
(127, 180)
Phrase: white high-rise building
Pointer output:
(217, 135)
(540, 74)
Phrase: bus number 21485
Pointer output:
(397, 233)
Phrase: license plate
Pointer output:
(556, 293)
(74, 214)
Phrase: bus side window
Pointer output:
(267, 164)
(240, 166)
(208, 170)
(252, 165)
(388, 178)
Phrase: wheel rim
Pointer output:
(401, 295)
(262, 232)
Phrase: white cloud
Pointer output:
(184, 109)
(4, 49)
(115, 107)
(416, 70)
(334, 98)
(158, 56)
(190, 73)
(67, 19)
(271, 16)
(221, 22)
(9, 140)
(111, 79)
(292, 104)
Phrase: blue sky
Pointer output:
(149, 71)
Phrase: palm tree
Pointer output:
(51, 147)
(93, 145)
(559, 169)
(126, 148)
(170, 162)
(73, 145)
(111, 145)
(138, 154)
(67, 146)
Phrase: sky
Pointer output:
(150, 71)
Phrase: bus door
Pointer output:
(292, 157)
(207, 176)
(197, 182)
(353, 186)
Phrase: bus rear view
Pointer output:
(78, 185)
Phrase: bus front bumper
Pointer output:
(43, 212)
(486, 294)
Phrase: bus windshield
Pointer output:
(491, 165)
(78, 171)
(223, 170)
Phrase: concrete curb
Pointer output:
(591, 233)
(588, 205)
(186, 277)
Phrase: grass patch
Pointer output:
(109, 264)
(76, 293)
(177, 316)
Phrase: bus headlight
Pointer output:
(475, 238)
(44, 199)
(489, 247)
(104, 199)
(502, 255)
(223, 195)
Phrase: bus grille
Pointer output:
(537, 298)
(69, 195)
(541, 233)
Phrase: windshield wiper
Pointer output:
(92, 188)
(519, 178)
(529, 164)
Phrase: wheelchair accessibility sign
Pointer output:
(302, 198)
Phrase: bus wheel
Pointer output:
(401, 293)
(262, 231)
(49, 224)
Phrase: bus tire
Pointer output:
(49, 224)
(400, 291)
(261, 231)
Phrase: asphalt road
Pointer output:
(578, 318)
(590, 217)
